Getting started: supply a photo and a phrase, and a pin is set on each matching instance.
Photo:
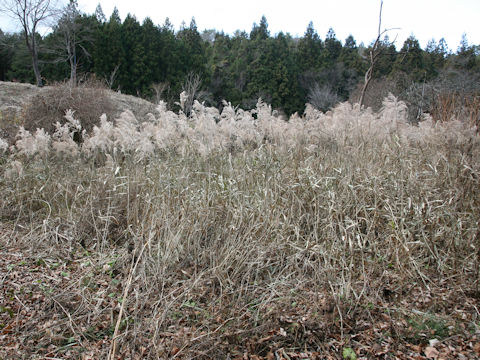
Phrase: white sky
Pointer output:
(426, 19)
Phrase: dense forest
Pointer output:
(156, 62)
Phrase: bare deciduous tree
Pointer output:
(159, 89)
(322, 97)
(190, 86)
(73, 36)
(113, 76)
(31, 14)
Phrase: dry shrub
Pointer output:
(88, 100)
(448, 106)
(453, 95)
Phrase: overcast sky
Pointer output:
(426, 19)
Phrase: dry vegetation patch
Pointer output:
(346, 235)
(12, 98)
(88, 101)
(32, 107)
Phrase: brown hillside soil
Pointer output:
(55, 305)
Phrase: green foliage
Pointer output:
(349, 354)
(466, 58)
(309, 50)
(108, 51)
(260, 32)
(350, 57)
(435, 57)
(287, 72)
(426, 326)
(333, 48)
(133, 73)
(6, 53)
(411, 60)
(15, 60)
(271, 73)
(384, 63)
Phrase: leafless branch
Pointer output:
(375, 52)
(111, 79)
(190, 86)
(159, 89)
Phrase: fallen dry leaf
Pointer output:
(431, 352)
(174, 351)
(476, 348)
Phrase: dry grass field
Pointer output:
(239, 235)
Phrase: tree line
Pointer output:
(156, 62)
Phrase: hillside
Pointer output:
(23, 104)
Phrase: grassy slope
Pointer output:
(16, 99)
